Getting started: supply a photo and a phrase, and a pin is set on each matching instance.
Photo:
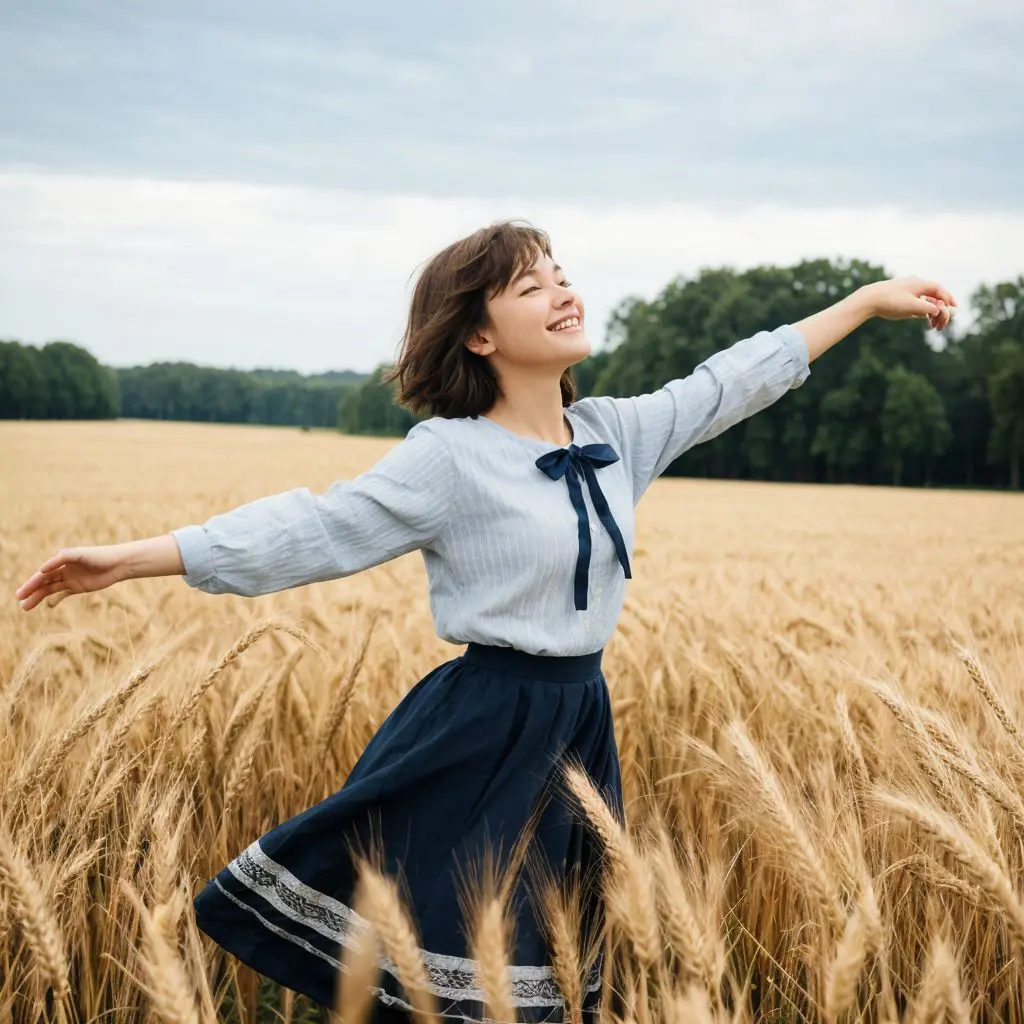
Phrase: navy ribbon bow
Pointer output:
(572, 463)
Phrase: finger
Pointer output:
(61, 558)
(42, 593)
(47, 595)
(936, 289)
(43, 574)
(38, 579)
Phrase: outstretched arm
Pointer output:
(730, 385)
(285, 540)
(291, 539)
(734, 383)
(83, 570)
(898, 299)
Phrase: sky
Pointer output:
(255, 184)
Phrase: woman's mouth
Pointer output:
(568, 324)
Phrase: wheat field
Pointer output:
(819, 711)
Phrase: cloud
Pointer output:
(230, 273)
(575, 101)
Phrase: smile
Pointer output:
(564, 325)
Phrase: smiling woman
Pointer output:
(520, 496)
(481, 335)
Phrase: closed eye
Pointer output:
(534, 287)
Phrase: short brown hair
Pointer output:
(436, 372)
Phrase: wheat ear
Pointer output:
(188, 706)
(939, 997)
(360, 966)
(490, 945)
(949, 834)
(807, 863)
(38, 925)
(387, 913)
(169, 990)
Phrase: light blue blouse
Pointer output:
(500, 537)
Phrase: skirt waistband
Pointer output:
(553, 668)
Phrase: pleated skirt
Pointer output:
(470, 757)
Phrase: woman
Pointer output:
(521, 499)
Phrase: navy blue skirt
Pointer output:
(470, 756)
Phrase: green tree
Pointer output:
(913, 422)
(1006, 392)
(666, 337)
(1000, 308)
(964, 376)
(370, 409)
(183, 391)
(23, 389)
(587, 372)
(848, 426)
(78, 386)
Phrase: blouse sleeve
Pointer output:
(290, 539)
(726, 388)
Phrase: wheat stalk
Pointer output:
(170, 993)
(49, 760)
(844, 970)
(489, 943)
(342, 695)
(679, 922)
(188, 706)
(242, 767)
(387, 914)
(37, 923)
(807, 864)
(560, 913)
(939, 997)
(630, 885)
(989, 693)
(243, 713)
(950, 835)
(360, 966)
(850, 741)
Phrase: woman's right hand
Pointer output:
(73, 571)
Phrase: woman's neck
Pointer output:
(539, 430)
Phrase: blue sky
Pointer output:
(242, 184)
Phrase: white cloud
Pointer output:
(783, 100)
(237, 274)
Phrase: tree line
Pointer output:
(883, 406)
(64, 381)
(59, 381)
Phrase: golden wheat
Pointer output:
(28, 907)
(818, 700)
(389, 917)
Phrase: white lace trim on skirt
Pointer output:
(451, 977)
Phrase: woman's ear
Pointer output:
(479, 345)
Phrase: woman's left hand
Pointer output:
(902, 298)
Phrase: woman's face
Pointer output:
(537, 321)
